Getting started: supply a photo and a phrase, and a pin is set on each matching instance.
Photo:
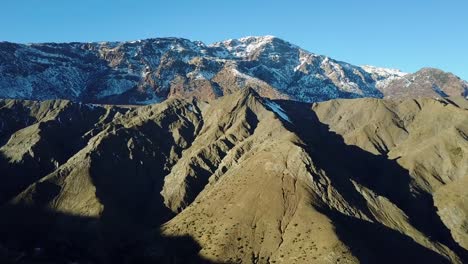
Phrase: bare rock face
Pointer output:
(427, 82)
(238, 179)
(148, 71)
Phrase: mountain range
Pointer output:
(151, 70)
(250, 150)
(239, 179)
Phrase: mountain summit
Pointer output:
(151, 70)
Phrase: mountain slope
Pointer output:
(39, 137)
(434, 155)
(287, 201)
(427, 82)
(151, 70)
(239, 179)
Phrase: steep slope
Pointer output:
(121, 167)
(40, 136)
(426, 137)
(257, 195)
(298, 73)
(151, 70)
(107, 194)
(383, 76)
(286, 201)
(246, 179)
(427, 82)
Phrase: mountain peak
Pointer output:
(427, 82)
(266, 38)
(383, 71)
(249, 39)
(249, 91)
(246, 46)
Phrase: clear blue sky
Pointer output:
(405, 34)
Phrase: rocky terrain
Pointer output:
(239, 179)
(152, 70)
(427, 82)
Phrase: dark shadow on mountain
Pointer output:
(58, 140)
(128, 182)
(17, 176)
(376, 243)
(38, 235)
(133, 210)
(383, 176)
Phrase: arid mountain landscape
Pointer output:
(242, 178)
(246, 132)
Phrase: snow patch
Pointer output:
(302, 61)
(201, 75)
(383, 72)
(277, 109)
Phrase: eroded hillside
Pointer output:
(240, 179)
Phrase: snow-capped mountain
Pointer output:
(148, 71)
(383, 76)
(298, 73)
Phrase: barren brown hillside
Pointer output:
(240, 179)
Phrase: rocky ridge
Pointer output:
(152, 70)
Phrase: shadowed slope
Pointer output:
(258, 181)
(301, 194)
(381, 187)
(38, 235)
(426, 137)
(38, 137)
